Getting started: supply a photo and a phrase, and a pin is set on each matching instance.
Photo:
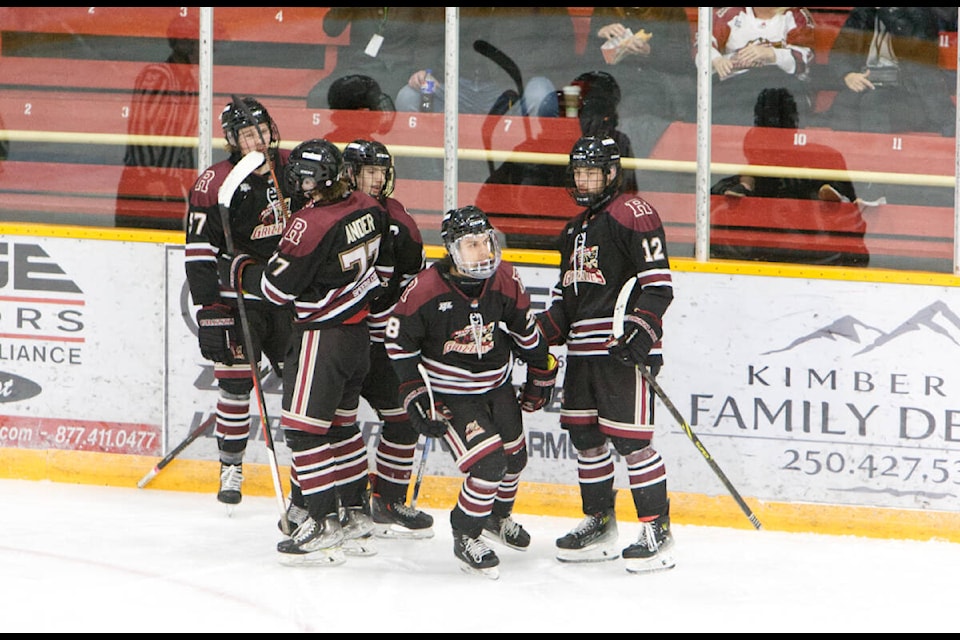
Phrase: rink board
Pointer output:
(810, 391)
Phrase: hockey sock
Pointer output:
(648, 482)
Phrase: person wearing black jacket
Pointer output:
(257, 220)
(884, 66)
(617, 240)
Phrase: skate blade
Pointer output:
(361, 547)
(495, 538)
(491, 573)
(659, 562)
(329, 557)
(402, 533)
(230, 508)
(589, 554)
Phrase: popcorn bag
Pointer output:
(614, 49)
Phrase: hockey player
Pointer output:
(257, 219)
(369, 168)
(618, 236)
(329, 265)
(462, 319)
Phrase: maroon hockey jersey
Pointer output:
(466, 343)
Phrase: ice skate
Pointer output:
(593, 540)
(231, 477)
(506, 531)
(314, 543)
(357, 530)
(295, 517)
(475, 556)
(397, 520)
(653, 550)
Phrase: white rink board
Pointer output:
(81, 344)
(801, 389)
(856, 415)
(191, 388)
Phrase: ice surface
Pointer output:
(79, 558)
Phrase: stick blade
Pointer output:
(238, 174)
(147, 478)
(620, 308)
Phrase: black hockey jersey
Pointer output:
(330, 262)
(466, 343)
(599, 251)
(256, 224)
(409, 260)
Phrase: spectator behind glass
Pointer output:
(884, 66)
(599, 117)
(600, 99)
(754, 48)
(383, 41)
(537, 41)
(358, 93)
(777, 109)
(164, 103)
(771, 142)
(657, 75)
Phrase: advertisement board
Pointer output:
(81, 345)
(801, 389)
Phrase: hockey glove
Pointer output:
(638, 337)
(537, 391)
(215, 324)
(231, 269)
(552, 325)
(416, 401)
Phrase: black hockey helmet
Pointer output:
(470, 221)
(362, 153)
(602, 153)
(313, 164)
(246, 112)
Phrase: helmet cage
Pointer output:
(602, 153)
(462, 227)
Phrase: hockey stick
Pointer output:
(167, 459)
(427, 442)
(506, 63)
(240, 171)
(502, 60)
(242, 106)
(619, 311)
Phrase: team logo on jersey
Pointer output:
(446, 305)
(585, 266)
(472, 430)
(272, 214)
(477, 338)
(262, 231)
